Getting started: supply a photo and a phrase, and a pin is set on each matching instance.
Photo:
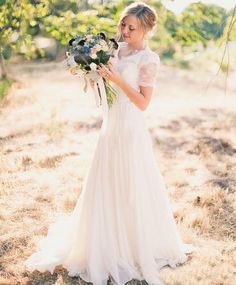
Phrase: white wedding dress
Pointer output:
(122, 226)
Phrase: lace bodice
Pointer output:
(138, 69)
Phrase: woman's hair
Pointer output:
(145, 14)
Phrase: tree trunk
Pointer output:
(3, 67)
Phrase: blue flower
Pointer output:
(86, 49)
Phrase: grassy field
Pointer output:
(48, 132)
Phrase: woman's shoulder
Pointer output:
(149, 56)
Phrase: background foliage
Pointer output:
(24, 21)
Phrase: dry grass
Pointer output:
(48, 133)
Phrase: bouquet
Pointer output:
(85, 53)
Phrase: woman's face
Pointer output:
(131, 30)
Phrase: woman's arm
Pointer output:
(140, 99)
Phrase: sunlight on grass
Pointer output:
(43, 163)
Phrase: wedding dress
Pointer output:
(122, 226)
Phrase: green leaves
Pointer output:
(22, 20)
(16, 20)
(200, 23)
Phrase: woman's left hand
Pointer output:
(109, 73)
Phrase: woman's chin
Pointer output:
(126, 39)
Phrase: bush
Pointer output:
(5, 84)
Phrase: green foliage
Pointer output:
(58, 6)
(17, 21)
(64, 26)
(162, 39)
(5, 84)
(224, 67)
(22, 20)
(230, 28)
(200, 23)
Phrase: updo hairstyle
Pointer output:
(145, 14)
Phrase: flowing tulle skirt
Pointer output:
(122, 226)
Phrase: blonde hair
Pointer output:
(145, 15)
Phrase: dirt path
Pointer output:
(48, 132)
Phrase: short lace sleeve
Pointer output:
(148, 68)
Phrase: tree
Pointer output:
(21, 20)
(201, 23)
(17, 19)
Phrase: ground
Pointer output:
(48, 132)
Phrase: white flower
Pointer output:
(102, 43)
(71, 61)
(93, 55)
(76, 71)
(98, 47)
(93, 66)
(89, 36)
(105, 48)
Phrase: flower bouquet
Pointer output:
(85, 53)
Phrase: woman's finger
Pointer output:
(105, 72)
(104, 68)
(111, 67)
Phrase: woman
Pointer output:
(122, 226)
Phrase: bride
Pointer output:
(122, 226)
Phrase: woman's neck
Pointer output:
(137, 46)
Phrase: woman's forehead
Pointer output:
(131, 20)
